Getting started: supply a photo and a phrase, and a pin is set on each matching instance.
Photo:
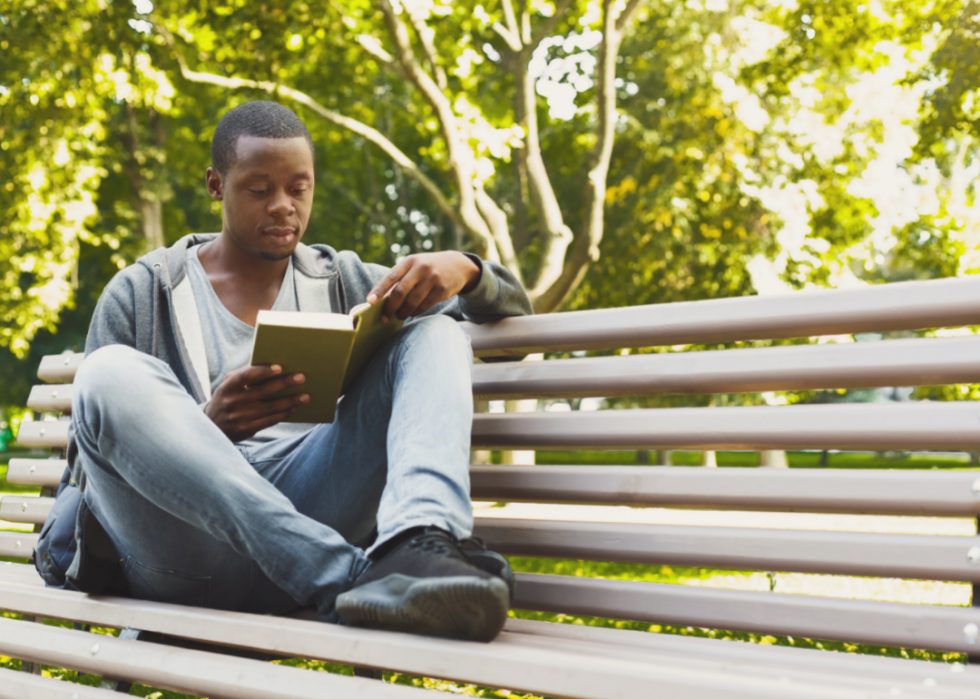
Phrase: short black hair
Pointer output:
(261, 119)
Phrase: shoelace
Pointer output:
(474, 541)
(440, 543)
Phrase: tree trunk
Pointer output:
(151, 213)
(773, 458)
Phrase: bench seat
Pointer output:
(529, 656)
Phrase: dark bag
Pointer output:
(56, 546)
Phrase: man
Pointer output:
(193, 489)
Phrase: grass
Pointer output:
(617, 571)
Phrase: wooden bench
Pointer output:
(564, 660)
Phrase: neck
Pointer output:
(222, 256)
(244, 283)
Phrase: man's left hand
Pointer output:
(419, 282)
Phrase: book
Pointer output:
(330, 349)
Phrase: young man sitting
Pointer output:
(193, 488)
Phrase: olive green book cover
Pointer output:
(330, 349)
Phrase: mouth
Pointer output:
(279, 235)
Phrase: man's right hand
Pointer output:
(240, 405)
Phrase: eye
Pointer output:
(259, 191)
(300, 190)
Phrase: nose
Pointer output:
(280, 205)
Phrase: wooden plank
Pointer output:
(21, 685)
(916, 362)
(556, 670)
(59, 368)
(17, 544)
(877, 308)
(775, 659)
(197, 672)
(853, 621)
(56, 398)
(30, 510)
(43, 472)
(52, 434)
(736, 548)
(874, 426)
(22, 572)
(920, 493)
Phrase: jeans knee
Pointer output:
(110, 369)
(440, 330)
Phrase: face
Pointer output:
(266, 196)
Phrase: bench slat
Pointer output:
(59, 368)
(559, 669)
(736, 548)
(908, 426)
(22, 685)
(854, 621)
(43, 472)
(885, 307)
(775, 659)
(922, 493)
(17, 544)
(53, 434)
(217, 676)
(917, 362)
(50, 398)
(31, 510)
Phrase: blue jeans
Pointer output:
(197, 520)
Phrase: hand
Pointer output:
(238, 407)
(419, 282)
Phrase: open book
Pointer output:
(330, 349)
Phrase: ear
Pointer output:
(214, 184)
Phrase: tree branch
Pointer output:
(460, 157)
(373, 47)
(373, 135)
(510, 18)
(513, 41)
(545, 29)
(624, 16)
(425, 33)
(497, 220)
(585, 249)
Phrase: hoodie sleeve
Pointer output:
(496, 295)
(114, 319)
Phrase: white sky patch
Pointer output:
(560, 79)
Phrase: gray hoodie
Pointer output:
(150, 306)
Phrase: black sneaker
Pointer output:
(490, 562)
(427, 585)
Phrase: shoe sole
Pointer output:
(465, 608)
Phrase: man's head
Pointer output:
(262, 174)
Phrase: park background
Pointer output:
(610, 153)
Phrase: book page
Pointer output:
(298, 319)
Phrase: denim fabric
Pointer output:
(198, 520)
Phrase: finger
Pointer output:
(431, 300)
(253, 374)
(280, 405)
(267, 421)
(396, 297)
(411, 305)
(263, 390)
(389, 280)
